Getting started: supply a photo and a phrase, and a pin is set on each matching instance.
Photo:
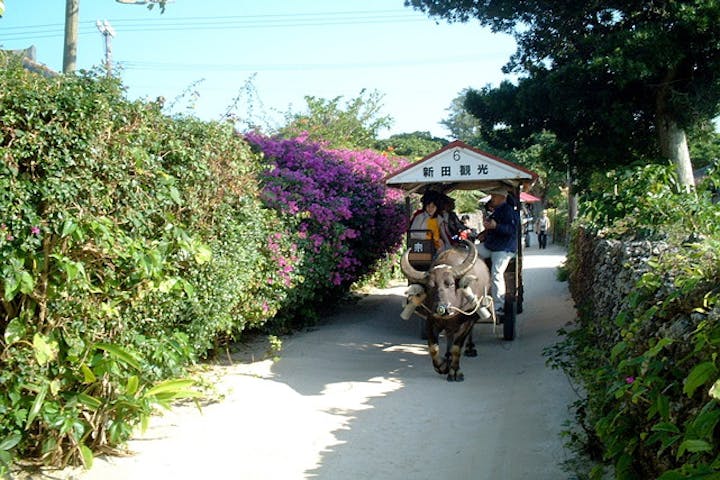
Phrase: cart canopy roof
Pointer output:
(458, 166)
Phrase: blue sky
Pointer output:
(284, 49)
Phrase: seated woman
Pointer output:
(451, 228)
(427, 219)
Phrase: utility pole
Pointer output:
(72, 12)
(107, 31)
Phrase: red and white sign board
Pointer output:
(460, 165)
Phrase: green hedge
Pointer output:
(133, 243)
(130, 243)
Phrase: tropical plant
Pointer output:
(607, 79)
(648, 376)
(354, 124)
(121, 235)
(133, 244)
(344, 217)
(412, 146)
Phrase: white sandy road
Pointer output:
(357, 398)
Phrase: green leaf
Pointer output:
(144, 423)
(165, 392)
(44, 351)
(89, 401)
(55, 387)
(699, 376)
(11, 286)
(666, 427)
(672, 475)
(71, 270)
(10, 441)
(132, 385)
(14, 331)
(89, 376)
(203, 254)
(663, 406)
(87, 457)
(188, 288)
(693, 446)
(27, 284)
(170, 386)
(120, 354)
(704, 424)
(714, 390)
(68, 228)
(36, 406)
(618, 349)
(658, 347)
(167, 285)
(175, 195)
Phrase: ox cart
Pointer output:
(459, 166)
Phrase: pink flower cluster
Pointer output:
(286, 264)
(7, 234)
(347, 214)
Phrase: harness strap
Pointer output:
(477, 303)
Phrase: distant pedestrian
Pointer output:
(542, 227)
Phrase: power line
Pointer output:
(222, 23)
(340, 17)
(251, 18)
(47, 34)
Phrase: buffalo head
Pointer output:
(454, 282)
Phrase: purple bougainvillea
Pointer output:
(346, 217)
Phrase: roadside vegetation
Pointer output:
(647, 375)
(133, 244)
(615, 104)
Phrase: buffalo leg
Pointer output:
(440, 363)
(470, 350)
(454, 372)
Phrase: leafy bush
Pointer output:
(344, 218)
(130, 244)
(646, 202)
(649, 406)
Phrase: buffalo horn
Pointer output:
(413, 275)
(468, 263)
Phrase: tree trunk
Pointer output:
(677, 151)
(572, 205)
(673, 142)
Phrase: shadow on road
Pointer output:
(397, 418)
(357, 398)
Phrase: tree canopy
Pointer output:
(613, 80)
(351, 124)
(412, 146)
(461, 124)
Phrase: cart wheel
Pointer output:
(509, 320)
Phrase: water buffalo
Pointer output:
(450, 295)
